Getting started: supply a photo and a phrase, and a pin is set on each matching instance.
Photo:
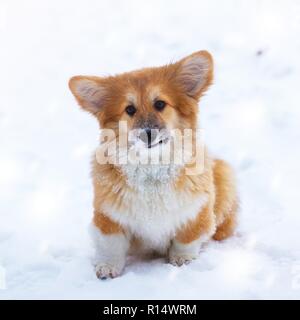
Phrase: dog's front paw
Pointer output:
(181, 259)
(106, 270)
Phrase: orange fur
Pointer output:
(203, 224)
(105, 224)
(227, 227)
(220, 214)
(226, 204)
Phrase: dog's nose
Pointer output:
(148, 136)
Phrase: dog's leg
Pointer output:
(226, 201)
(187, 242)
(111, 246)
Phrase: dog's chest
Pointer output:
(153, 210)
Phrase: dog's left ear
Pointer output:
(195, 73)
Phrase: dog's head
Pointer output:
(151, 100)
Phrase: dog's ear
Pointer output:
(195, 73)
(89, 92)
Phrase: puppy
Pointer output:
(169, 207)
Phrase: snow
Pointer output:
(250, 117)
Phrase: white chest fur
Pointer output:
(152, 208)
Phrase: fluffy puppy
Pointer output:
(166, 207)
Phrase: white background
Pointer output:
(250, 116)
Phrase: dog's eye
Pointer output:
(159, 105)
(131, 110)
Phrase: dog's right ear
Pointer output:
(89, 92)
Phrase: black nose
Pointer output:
(148, 136)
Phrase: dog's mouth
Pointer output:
(160, 141)
(146, 140)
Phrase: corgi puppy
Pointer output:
(169, 207)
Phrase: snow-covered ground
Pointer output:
(251, 117)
